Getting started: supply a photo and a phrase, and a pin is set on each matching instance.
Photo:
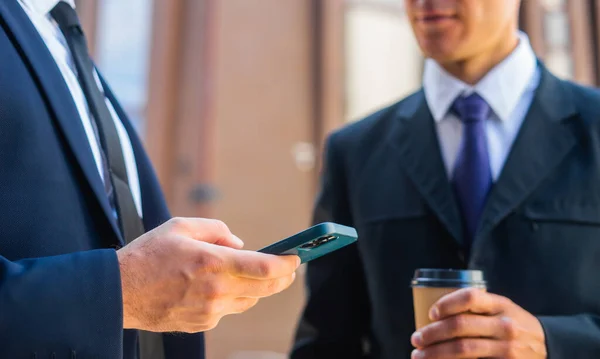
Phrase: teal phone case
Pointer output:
(314, 242)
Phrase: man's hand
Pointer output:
(471, 323)
(187, 274)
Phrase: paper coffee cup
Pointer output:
(429, 285)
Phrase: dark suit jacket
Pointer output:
(60, 291)
(538, 242)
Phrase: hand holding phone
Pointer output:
(314, 242)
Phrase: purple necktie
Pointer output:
(472, 178)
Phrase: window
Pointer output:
(557, 32)
(123, 38)
(383, 61)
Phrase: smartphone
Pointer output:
(314, 242)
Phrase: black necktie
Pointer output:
(129, 220)
(151, 345)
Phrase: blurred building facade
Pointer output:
(234, 98)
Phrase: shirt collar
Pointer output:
(43, 7)
(501, 88)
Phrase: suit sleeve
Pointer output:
(67, 306)
(335, 321)
(575, 336)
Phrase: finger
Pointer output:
(464, 349)
(467, 300)
(241, 305)
(257, 288)
(256, 265)
(234, 242)
(464, 326)
(206, 230)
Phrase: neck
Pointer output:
(473, 69)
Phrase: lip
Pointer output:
(435, 18)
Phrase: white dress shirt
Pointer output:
(39, 14)
(508, 88)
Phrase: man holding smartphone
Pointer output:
(493, 165)
(88, 253)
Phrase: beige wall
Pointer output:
(263, 111)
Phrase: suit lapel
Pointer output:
(414, 139)
(55, 91)
(543, 142)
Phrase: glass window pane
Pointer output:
(383, 61)
(557, 29)
(122, 51)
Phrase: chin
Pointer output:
(442, 46)
(440, 55)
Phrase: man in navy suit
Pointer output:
(88, 253)
(493, 165)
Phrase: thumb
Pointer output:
(208, 230)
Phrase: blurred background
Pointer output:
(234, 98)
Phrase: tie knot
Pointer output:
(65, 16)
(472, 108)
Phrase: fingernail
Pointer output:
(434, 313)
(417, 354)
(237, 239)
(293, 276)
(417, 339)
(298, 262)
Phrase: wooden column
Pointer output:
(163, 90)
(532, 22)
(193, 187)
(88, 14)
(582, 42)
(595, 9)
(328, 66)
(179, 119)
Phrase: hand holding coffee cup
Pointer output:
(456, 318)
(430, 285)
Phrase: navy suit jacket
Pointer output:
(538, 242)
(60, 292)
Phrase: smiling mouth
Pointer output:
(433, 19)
